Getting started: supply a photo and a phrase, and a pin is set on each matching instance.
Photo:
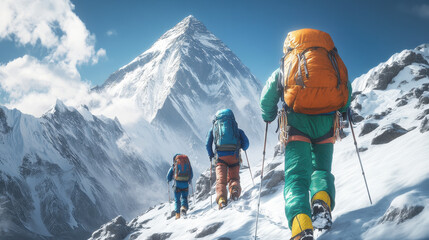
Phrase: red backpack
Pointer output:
(182, 168)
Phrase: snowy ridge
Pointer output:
(380, 76)
(64, 174)
(392, 126)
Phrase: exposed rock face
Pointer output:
(388, 133)
(159, 236)
(379, 80)
(421, 73)
(116, 229)
(400, 215)
(423, 114)
(210, 229)
(4, 128)
(202, 186)
(367, 128)
(424, 126)
(378, 116)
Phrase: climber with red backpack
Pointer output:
(228, 140)
(312, 83)
(181, 172)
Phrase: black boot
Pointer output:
(321, 215)
(304, 235)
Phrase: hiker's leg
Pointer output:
(234, 179)
(185, 199)
(221, 181)
(177, 201)
(322, 178)
(233, 173)
(298, 169)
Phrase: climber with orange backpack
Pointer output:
(181, 172)
(312, 83)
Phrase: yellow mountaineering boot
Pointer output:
(177, 215)
(302, 229)
(321, 211)
(221, 203)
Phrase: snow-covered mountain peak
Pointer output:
(178, 84)
(189, 26)
(378, 78)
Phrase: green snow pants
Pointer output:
(307, 166)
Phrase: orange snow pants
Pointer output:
(227, 172)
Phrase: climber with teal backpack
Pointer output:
(181, 172)
(228, 140)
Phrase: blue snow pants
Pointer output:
(183, 194)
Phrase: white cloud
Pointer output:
(32, 84)
(111, 32)
(422, 10)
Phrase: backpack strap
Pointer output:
(332, 58)
(299, 80)
(296, 135)
(280, 81)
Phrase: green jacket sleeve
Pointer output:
(270, 97)
(343, 109)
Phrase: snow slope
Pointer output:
(392, 126)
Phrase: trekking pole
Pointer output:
(211, 200)
(169, 205)
(260, 185)
(357, 151)
(249, 168)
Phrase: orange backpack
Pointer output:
(314, 76)
(182, 168)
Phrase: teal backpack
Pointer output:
(225, 131)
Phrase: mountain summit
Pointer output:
(182, 80)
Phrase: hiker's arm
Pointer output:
(209, 143)
(192, 174)
(270, 97)
(244, 140)
(344, 109)
(170, 175)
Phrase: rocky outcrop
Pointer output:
(379, 80)
(424, 126)
(388, 133)
(400, 215)
(367, 128)
(202, 186)
(116, 229)
(159, 236)
(210, 229)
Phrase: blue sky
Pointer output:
(365, 32)
(114, 32)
